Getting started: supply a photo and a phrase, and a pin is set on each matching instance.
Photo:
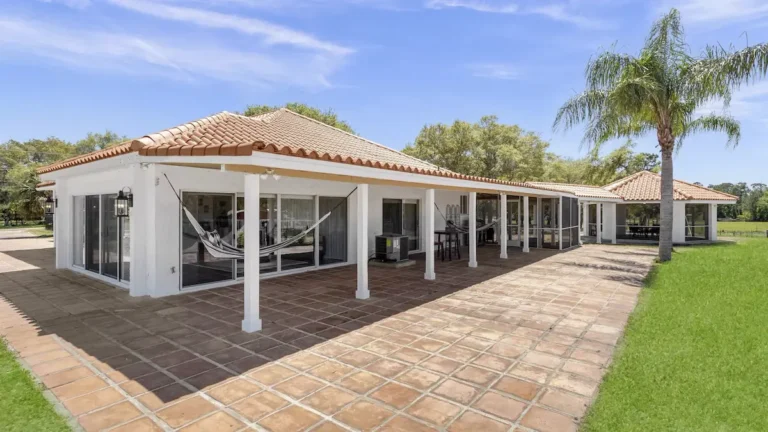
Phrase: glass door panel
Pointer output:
(110, 248)
(392, 216)
(513, 222)
(411, 224)
(125, 248)
(214, 213)
(92, 250)
(268, 233)
(533, 226)
(78, 232)
(333, 231)
(296, 215)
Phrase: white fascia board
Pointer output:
(92, 167)
(602, 200)
(324, 167)
(684, 201)
(46, 188)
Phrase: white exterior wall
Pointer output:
(609, 222)
(678, 221)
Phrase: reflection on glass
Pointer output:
(92, 251)
(214, 213)
(411, 224)
(109, 237)
(696, 218)
(268, 231)
(297, 214)
(514, 219)
(125, 248)
(392, 216)
(333, 231)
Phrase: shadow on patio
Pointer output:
(151, 353)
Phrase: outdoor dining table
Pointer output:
(448, 234)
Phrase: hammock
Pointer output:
(218, 248)
(462, 229)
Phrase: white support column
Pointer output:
(138, 227)
(503, 226)
(610, 221)
(539, 223)
(473, 229)
(599, 209)
(526, 230)
(560, 221)
(362, 242)
(584, 227)
(713, 222)
(429, 209)
(62, 215)
(251, 315)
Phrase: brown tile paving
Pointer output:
(534, 329)
(144, 424)
(472, 422)
(219, 422)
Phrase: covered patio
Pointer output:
(516, 342)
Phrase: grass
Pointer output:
(22, 405)
(743, 226)
(696, 348)
(40, 231)
(19, 226)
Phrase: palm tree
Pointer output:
(661, 90)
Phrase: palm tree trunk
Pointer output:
(667, 200)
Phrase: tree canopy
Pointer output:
(328, 116)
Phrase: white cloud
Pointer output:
(77, 4)
(186, 60)
(475, 5)
(495, 71)
(273, 33)
(747, 103)
(719, 11)
(560, 12)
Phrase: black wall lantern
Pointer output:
(123, 202)
(50, 204)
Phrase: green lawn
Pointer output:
(695, 354)
(40, 231)
(19, 226)
(22, 405)
(743, 226)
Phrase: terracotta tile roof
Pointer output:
(646, 186)
(581, 191)
(45, 184)
(89, 157)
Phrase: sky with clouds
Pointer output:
(388, 67)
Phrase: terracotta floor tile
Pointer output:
(530, 372)
(57, 365)
(299, 386)
(489, 361)
(418, 378)
(434, 411)
(46, 356)
(476, 375)
(108, 417)
(428, 344)
(329, 400)
(291, 419)
(395, 395)
(144, 424)
(409, 355)
(361, 382)
(459, 353)
(508, 350)
(303, 361)
(574, 383)
(387, 368)
(331, 370)
(363, 415)
(66, 377)
(80, 387)
(456, 391)
(93, 401)
(358, 358)
(146, 383)
(209, 378)
(191, 368)
(565, 402)
(547, 421)
(232, 391)
(440, 364)
(543, 360)
(522, 389)
(219, 422)
(501, 406)
(159, 398)
(179, 414)
(259, 405)
(473, 422)
(271, 374)
(404, 424)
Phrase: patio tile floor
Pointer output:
(518, 344)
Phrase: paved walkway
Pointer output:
(518, 344)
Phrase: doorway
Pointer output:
(401, 217)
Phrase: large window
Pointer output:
(637, 221)
(280, 217)
(101, 240)
(696, 222)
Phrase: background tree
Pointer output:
(659, 91)
(98, 141)
(328, 116)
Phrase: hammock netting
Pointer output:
(218, 248)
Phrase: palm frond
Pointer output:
(666, 41)
(580, 108)
(713, 123)
(605, 69)
(729, 67)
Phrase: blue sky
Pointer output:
(388, 67)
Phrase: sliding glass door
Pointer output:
(280, 217)
(101, 240)
(401, 217)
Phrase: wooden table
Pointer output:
(449, 234)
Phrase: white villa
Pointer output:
(291, 171)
